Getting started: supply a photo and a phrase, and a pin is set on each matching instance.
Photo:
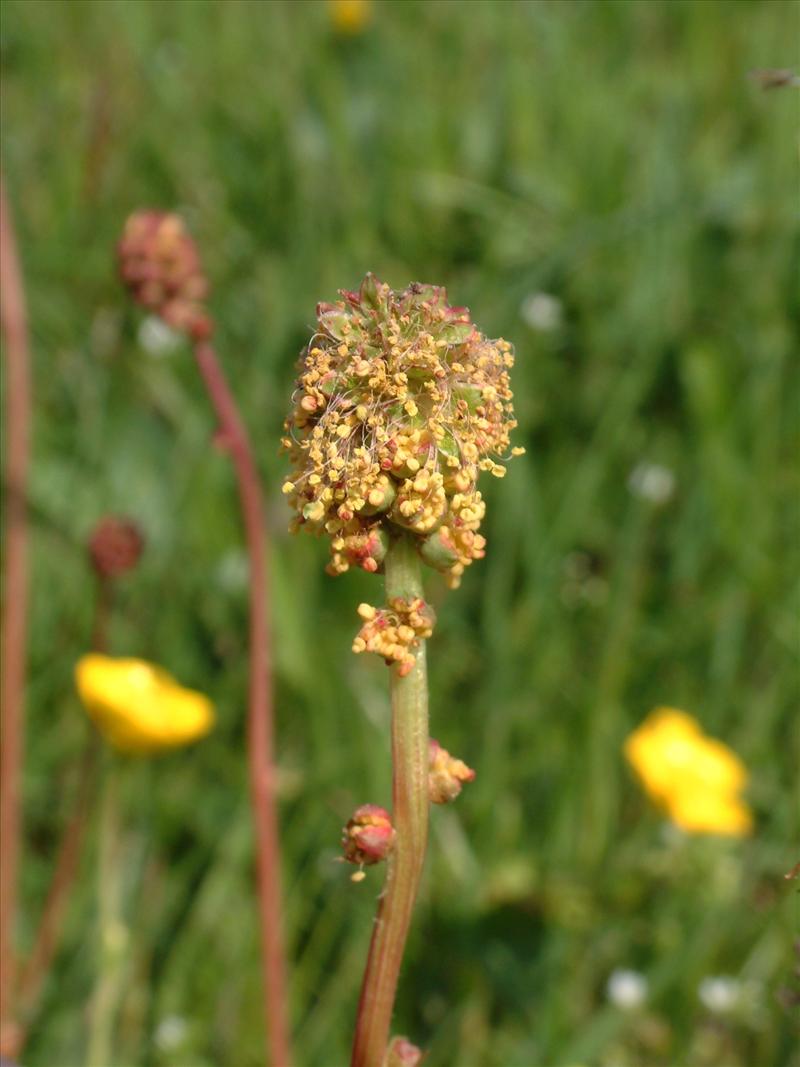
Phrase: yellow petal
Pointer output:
(662, 747)
(707, 811)
(695, 778)
(350, 16)
(138, 707)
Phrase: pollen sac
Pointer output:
(368, 836)
(160, 265)
(446, 775)
(395, 632)
(400, 402)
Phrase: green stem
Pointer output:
(113, 934)
(410, 815)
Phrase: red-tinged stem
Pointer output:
(48, 934)
(51, 922)
(410, 815)
(13, 318)
(260, 722)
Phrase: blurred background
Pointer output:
(603, 185)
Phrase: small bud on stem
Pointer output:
(447, 774)
(403, 1054)
(115, 546)
(368, 836)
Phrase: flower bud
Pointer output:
(115, 546)
(440, 550)
(160, 265)
(402, 1053)
(368, 836)
(446, 774)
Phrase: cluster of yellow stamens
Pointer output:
(400, 403)
(395, 632)
(447, 774)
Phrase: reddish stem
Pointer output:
(410, 758)
(51, 921)
(48, 934)
(233, 437)
(13, 317)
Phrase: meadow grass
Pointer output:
(614, 155)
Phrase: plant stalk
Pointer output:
(13, 317)
(113, 933)
(33, 975)
(233, 437)
(410, 759)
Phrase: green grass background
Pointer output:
(613, 154)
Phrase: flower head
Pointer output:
(400, 403)
(115, 546)
(401, 1053)
(368, 836)
(160, 265)
(395, 632)
(446, 775)
(627, 989)
(695, 778)
(350, 17)
(138, 707)
(719, 993)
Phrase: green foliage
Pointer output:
(611, 154)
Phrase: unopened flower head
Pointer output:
(695, 778)
(138, 707)
(400, 403)
(402, 1053)
(368, 836)
(446, 775)
(160, 264)
(115, 546)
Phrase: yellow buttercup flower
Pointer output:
(350, 16)
(710, 813)
(138, 707)
(695, 778)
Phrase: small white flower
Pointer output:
(170, 1032)
(719, 993)
(542, 311)
(626, 989)
(652, 482)
(156, 338)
